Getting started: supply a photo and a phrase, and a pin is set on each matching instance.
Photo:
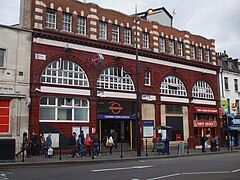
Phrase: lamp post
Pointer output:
(149, 11)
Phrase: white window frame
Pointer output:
(162, 44)
(172, 85)
(171, 46)
(83, 105)
(51, 19)
(2, 57)
(207, 51)
(102, 30)
(127, 35)
(81, 27)
(115, 33)
(64, 72)
(115, 79)
(147, 78)
(192, 52)
(202, 89)
(67, 22)
(180, 49)
(200, 53)
(145, 38)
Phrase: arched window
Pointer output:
(115, 78)
(66, 73)
(201, 89)
(172, 85)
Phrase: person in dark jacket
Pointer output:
(25, 146)
(73, 145)
(34, 142)
(81, 145)
(203, 140)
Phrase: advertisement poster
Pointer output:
(147, 128)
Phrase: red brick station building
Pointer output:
(83, 74)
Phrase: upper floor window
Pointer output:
(236, 84)
(171, 46)
(81, 27)
(201, 89)
(192, 52)
(116, 79)
(207, 55)
(180, 49)
(145, 40)
(115, 33)
(65, 72)
(67, 22)
(51, 18)
(102, 30)
(127, 35)
(2, 52)
(147, 78)
(162, 47)
(200, 52)
(172, 85)
(226, 83)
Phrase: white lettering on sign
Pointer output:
(40, 56)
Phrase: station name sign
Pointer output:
(103, 116)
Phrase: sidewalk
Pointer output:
(105, 157)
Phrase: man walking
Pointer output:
(72, 144)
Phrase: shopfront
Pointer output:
(118, 116)
(205, 122)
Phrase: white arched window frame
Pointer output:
(116, 79)
(65, 72)
(172, 85)
(202, 89)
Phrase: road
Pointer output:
(203, 167)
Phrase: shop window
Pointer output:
(173, 109)
(64, 109)
(4, 116)
(65, 72)
(115, 78)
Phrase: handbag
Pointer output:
(50, 152)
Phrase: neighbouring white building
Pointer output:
(15, 58)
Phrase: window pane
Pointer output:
(47, 113)
(64, 114)
(43, 101)
(80, 114)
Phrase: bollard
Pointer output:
(60, 150)
(188, 146)
(146, 148)
(23, 149)
(92, 149)
(121, 149)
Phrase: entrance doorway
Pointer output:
(121, 127)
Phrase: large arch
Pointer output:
(201, 89)
(172, 85)
(115, 78)
(64, 72)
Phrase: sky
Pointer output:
(213, 19)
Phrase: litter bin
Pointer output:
(180, 148)
(166, 147)
(7, 150)
(213, 145)
(159, 147)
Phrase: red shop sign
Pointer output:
(204, 123)
(205, 110)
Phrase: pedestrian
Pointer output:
(25, 146)
(49, 151)
(154, 141)
(203, 141)
(96, 144)
(34, 142)
(88, 145)
(81, 145)
(73, 145)
(43, 144)
(110, 144)
(114, 135)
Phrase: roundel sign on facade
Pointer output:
(116, 108)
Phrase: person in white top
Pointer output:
(110, 143)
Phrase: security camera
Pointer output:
(37, 89)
